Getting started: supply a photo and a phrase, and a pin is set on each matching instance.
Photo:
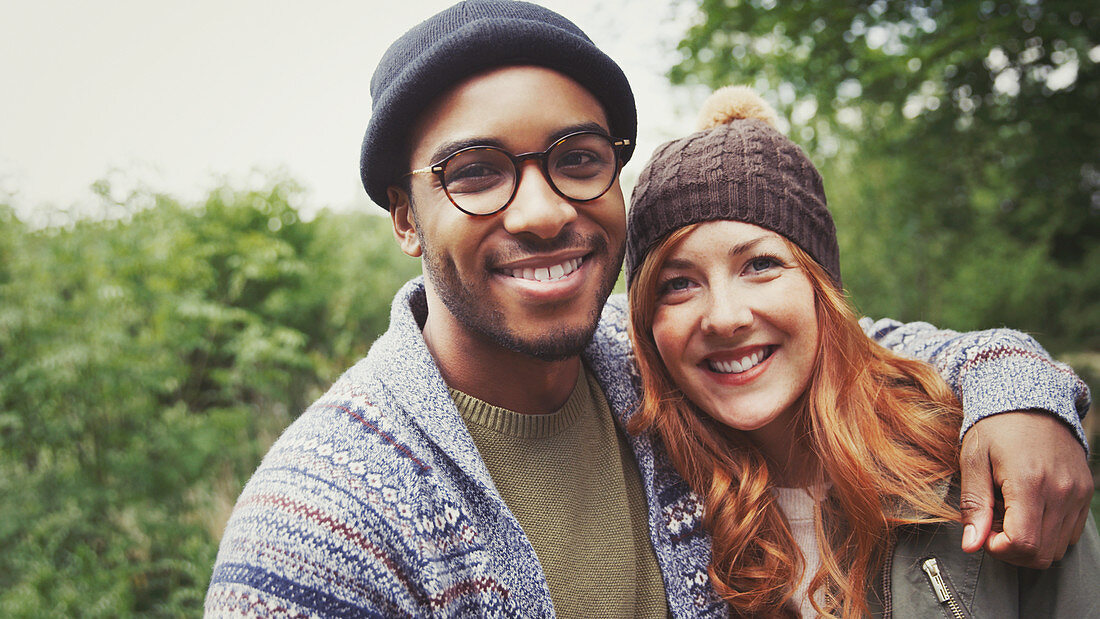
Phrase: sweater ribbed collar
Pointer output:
(521, 425)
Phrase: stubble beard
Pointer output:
(477, 314)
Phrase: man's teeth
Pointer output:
(734, 366)
(546, 274)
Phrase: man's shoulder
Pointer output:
(612, 329)
(348, 466)
(331, 522)
(341, 446)
(355, 507)
(617, 305)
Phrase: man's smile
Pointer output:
(545, 274)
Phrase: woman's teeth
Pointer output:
(546, 274)
(734, 366)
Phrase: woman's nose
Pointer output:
(727, 311)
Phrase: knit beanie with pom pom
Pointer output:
(737, 166)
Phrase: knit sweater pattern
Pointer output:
(375, 502)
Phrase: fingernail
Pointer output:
(970, 532)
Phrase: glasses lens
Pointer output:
(582, 166)
(480, 180)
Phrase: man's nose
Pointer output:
(537, 209)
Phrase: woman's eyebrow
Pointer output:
(677, 263)
(747, 246)
(674, 263)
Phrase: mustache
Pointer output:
(521, 248)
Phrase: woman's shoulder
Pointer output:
(928, 571)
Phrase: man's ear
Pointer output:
(404, 225)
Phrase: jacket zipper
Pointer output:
(944, 594)
(887, 584)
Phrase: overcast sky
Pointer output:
(178, 95)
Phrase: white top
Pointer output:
(797, 505)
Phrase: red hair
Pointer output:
(882, 429)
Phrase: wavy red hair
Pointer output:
(883, 430)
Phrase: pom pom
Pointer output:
(734, 103)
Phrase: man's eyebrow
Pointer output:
(585, 126)
(448, 148)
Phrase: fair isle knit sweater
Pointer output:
(375, 502)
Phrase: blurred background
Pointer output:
(187, 258)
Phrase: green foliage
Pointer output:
(959, 142)
(146, 364)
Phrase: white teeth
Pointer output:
(736, 367)
(726, 367)
(545, 274)
(750, 361)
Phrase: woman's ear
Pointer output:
(404, 225)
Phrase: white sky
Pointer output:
(177, 96)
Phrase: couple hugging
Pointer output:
(730, 440)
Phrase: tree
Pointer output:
(147, 362)
(959, 141)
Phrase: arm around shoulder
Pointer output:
(992, 371)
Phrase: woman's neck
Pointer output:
(791, 462)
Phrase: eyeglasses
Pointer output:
(482, 180)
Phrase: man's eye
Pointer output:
(579, 163)
(474, 177)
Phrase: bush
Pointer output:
(146, 364)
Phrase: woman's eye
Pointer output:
(675, 284)
(763, 263)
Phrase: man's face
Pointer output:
(534, 277)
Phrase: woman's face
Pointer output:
(735, 325)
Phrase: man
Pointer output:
(473, 464)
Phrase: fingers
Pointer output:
(1079, 527)
(976, 498)
(1026, 523)
(1037, 465)
(1073, 523)
(1068, 526)
(1044, 515)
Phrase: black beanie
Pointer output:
(738, 168)
(465, 39)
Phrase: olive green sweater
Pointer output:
(571, 481)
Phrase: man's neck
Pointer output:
(485, 370)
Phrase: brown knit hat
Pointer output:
(737, 167)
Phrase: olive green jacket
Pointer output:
(928, 575)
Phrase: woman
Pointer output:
(826, 462)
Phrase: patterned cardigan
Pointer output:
(375, 501)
